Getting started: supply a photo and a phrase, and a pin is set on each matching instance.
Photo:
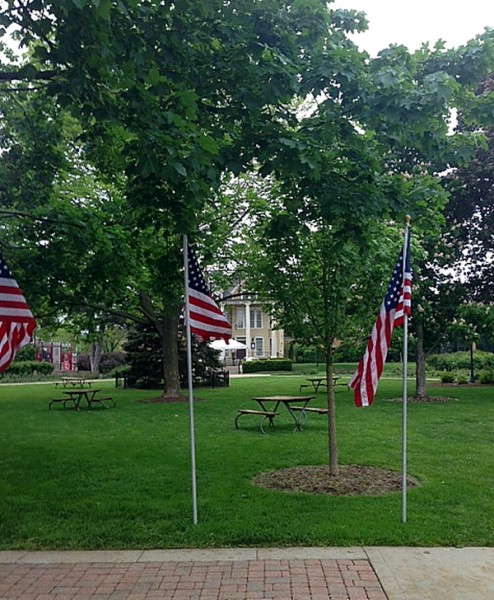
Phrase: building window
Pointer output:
(240, 322)
(259, 346)
(255, 318)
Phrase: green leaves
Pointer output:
(103, 6)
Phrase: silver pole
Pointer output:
(190, 385)
(404, 387)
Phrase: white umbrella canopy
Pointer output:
(231, 345)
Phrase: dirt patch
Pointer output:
(353, 480)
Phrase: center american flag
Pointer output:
(205, 317)
(396, 304)
(16, 320)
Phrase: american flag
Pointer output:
(205, 317)
(16, 320)
(396, 304)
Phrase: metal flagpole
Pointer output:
(404, 384)
(190, 384)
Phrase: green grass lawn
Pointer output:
(120, 478)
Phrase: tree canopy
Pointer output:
(134, 112)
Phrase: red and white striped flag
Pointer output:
(205, 317)
(16, 320)
(396, 304)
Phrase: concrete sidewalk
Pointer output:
(359, 573)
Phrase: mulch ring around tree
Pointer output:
(172, 400)
(425, 400)
(353, 480)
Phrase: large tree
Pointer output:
(455, 268)
(170, 98)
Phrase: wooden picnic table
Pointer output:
(287, 401)
(73, 381)
(89, 395)
(317, 382)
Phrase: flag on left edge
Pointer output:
(395, 305)
(16, 320)
(206, 319)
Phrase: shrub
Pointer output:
(111, 361)
(27, 352)
(305, 354)
(144, 355)
(83, 362)
(272, 364)
(23, 368)
(486, 376)
(461, 379)
(447, 377)
(44, 368)
(460, 360)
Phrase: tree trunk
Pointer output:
(420, 392)
(167, 328)
(332, 445)
(95, 350)
(169, 345)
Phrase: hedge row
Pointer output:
(461, 360)
(484, 376)
(29, 367)
(272, 364)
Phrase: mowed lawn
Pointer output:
(120, 478)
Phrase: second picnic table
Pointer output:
(317, 382)
(89, 395)
(73, 381)
(287, 402)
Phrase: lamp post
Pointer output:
(472, 375)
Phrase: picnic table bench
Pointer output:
(311, 409)
(264, 414)
(73, 381)
(63, 401)
(304, 410)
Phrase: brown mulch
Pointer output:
(426, 400)
(353, 480)
(174, 400)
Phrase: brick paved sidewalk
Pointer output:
(297, 579)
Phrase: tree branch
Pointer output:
(123, 314)
(148, 310)
(26, 76)
(21, 214)
(35, 88)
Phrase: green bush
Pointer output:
(462, 379)
(22, 368)
(44, 368)
(486, 376)
(447, 377)
(270, 364)
(27, 352)
(460, 360)
(109, 362)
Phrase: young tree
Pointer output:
(370, 150)
(319, 279)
